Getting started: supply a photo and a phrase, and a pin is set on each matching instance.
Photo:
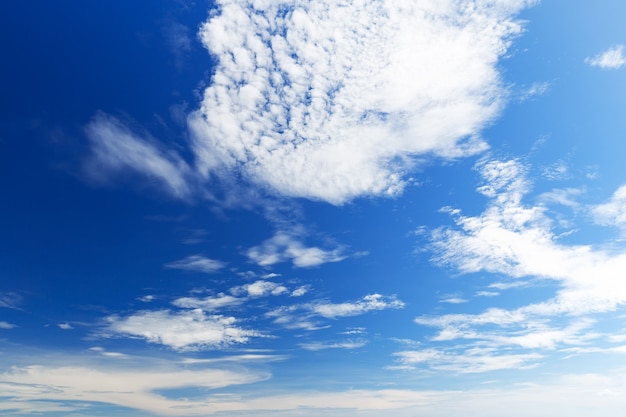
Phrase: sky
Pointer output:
(244, 208)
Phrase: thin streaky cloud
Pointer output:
(115, 148)
(197, 263)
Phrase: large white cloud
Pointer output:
(329, 100)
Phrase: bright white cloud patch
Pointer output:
(330, 101)
(613, 212)
(185, 330)
(515, 239)
(197, 263)
(612, 58)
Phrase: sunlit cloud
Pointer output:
(328, 102)
(182, 330)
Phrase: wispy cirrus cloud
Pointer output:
(612, 58)
(346, 344)
(328, 102)
(197, 263)
(115, 148)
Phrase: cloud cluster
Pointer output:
(330, 101)
(514, 239)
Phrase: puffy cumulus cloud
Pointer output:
(184, 330)
(283, 247)
(612, 58)
(197, 263)
(330, 101)
(116, 148)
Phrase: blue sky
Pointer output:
(252, 207)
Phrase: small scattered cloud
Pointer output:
(613, 212)
(146, 298)
(284, 247)
(300, 291)
(6, 326)
(487, 293)
(210, 303)
(65, 326)
(475, 361)
(346, 344)
(366, 304)
(10, 300)
(453, 300)
(612, 58)
(260, 289)
(187, 330)
(197, 263)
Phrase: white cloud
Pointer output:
(516, 240)
(328, 102)
(136, 385)
(366, 304)
(612, 58)
(116, 148)
(210, 303)
(260, 289)
(6, 326)
(453, 300)
(185, 330)
(346, 344)
(300, 291)
(283, 247)
(65, 326)
(10, 300)
(197, 263)
(613, 212)
(472, 361)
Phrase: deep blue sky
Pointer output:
(298, 208)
